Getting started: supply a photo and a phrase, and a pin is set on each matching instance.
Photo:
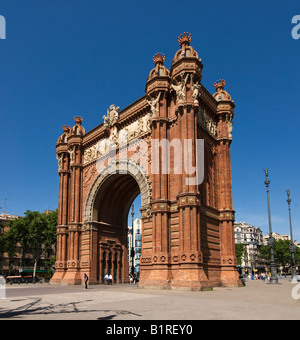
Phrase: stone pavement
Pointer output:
(257, 301)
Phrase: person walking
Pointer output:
(86, 278)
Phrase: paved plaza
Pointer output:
(257, 301)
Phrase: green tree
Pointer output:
(51, 234)
(264, 252)
(240, 252)
(297, 257)
(50, 264)
(282, 253)
(16, 237)
(2, 245)
(35, 233)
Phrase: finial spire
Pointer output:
(219, 85)
(185, 39)
(78, 120)
(159, 59)
(66, 129)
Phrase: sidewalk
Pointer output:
(257, 301)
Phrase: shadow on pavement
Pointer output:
(35, 307)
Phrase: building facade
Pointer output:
(136, 238)
(277, 237)
(187, 238)
(252, 238)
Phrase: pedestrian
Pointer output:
(110, 279)
(106, 279)
(86, 278)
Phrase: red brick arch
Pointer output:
(187, 227)
(123, 168)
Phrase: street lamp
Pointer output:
(292, 245)
(132, 243)
(271, 241)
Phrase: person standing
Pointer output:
(86, 278)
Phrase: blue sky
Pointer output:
(64, 58)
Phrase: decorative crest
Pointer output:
(219, 85)
(66, 129)
(78, 120)
(185, 39)
(159, 59)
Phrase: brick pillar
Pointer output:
(190, 272)
(75, 273)
(155, 240)
(225, 112)
(63, 171)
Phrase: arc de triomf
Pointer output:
(187, 225)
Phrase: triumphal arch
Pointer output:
(172, 146)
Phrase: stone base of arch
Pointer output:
(230, 277)
(188, 278)
(57, 277)
(184, 277)
(66, 278)
(72, 278)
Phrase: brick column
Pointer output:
(63, 171)
(190, 272)
(75, 273)
(225, 112)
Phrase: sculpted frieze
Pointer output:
(117, 138)
(207, 122)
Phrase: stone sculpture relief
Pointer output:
(118, 138)
(180, 89)
(59, 159)
(207, 122)
(112, 115)
(153, 105)
(230, 125)
(72, 155)
(195, 90)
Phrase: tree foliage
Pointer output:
(2, 242)
(282, 253)
(240, 252)
(35, 233)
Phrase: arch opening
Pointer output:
(108, 209)
(111, 209)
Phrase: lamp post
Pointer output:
(132, 243)
(271, 241)
(292, 245)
